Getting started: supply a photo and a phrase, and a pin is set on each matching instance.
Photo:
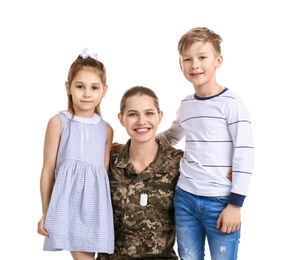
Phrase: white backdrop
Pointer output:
(137, 41)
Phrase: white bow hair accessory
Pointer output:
(86, 53)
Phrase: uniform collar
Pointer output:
(160, 165)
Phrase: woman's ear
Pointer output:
(120, 117)
(160, 115)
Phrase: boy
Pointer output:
(218, 136)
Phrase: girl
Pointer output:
(75, 193)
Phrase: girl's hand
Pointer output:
(41, 230)
(116, 144)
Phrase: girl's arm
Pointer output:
(110, 136)
(51, 144)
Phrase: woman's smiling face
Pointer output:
(140, 118)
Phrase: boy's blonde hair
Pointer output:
(199, 34)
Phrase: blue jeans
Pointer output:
(195, 219)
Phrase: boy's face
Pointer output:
(199, 64)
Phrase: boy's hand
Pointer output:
(229, 219)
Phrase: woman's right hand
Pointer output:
(41, 230)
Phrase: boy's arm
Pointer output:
(243, 156)
(172, 135)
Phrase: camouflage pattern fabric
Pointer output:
(143, 232)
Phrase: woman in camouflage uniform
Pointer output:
(143, 174)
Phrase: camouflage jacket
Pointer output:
(143, 232)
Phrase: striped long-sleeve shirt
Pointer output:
(218, 136)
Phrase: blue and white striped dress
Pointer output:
(80, 216)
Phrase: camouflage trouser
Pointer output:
(114, 257)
